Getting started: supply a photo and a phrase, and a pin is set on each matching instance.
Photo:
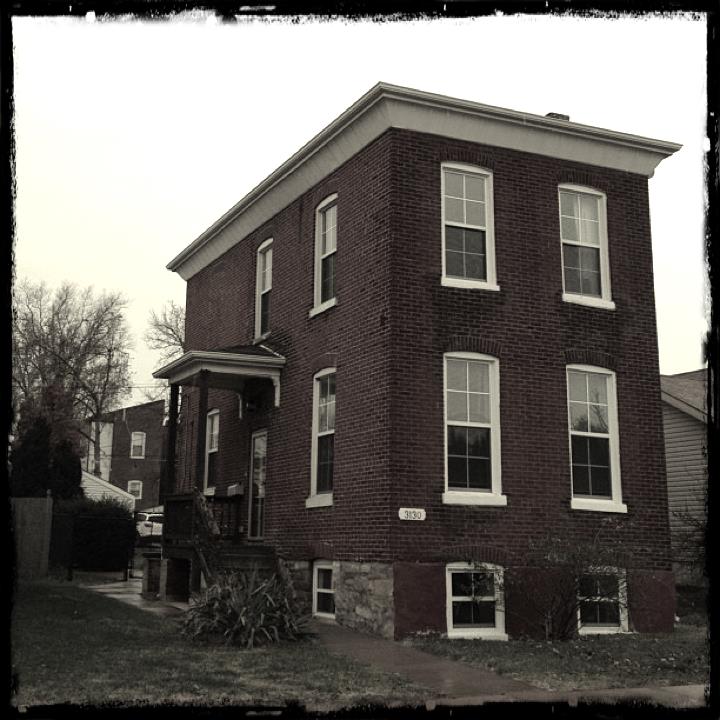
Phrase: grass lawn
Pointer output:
(71, 645)
(609, 661)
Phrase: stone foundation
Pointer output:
(364, 597)
(300, 574)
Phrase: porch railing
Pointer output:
(181, 519)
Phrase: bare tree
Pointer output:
(166, 331)
(75, 342)
(166, 334)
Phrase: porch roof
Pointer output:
(226, 368)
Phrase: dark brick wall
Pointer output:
(353, 336)
(147, 418)
(534, 334)
(387, 336)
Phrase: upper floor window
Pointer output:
(594, 449)
(323, 439)
(472, 430)
(468, 242)
(475, 601)
(325, 251)
(263, 286)
(137, 445)
(212, 442)
(135, 489)
(583, 233)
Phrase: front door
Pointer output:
(256, 507)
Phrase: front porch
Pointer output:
(208, 527)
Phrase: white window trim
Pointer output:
(477, 497)
(210, 490)
(322, 565)
(253, 437)
(258, 288)
(319, 306)
(139, 485)
(132, 444)
(624, 625)
(615, 503)
(316, 499)
(605, 300)
(486, 633)
(491, 282)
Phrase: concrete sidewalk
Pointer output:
(453, 683)
(443, 677)
(128, 591)
(448, 682)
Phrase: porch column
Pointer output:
(172, 441)
(202, 385)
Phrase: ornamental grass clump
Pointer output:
(246, 610)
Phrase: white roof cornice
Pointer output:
(390, 106)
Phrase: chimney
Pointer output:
(557, 116)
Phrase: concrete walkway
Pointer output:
(444, 677)
(449, 682)
(128, 591)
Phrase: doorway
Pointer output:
(256, 496)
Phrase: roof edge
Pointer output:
(411, 96)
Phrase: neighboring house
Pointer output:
(96, 488)
(133, 445)
(685, 421)
(424, 340)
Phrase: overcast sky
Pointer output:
(132, 137)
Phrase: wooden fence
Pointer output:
(32, 526)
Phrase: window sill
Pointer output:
(478, 633)
(324, 617)
(609, 506)
(599, 630)
(323, 307)
(321, 500)
(468, 284)
(452, 497)
(589, 301)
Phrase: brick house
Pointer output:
(426, 338)
(133, 445)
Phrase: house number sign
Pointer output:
(411, 513)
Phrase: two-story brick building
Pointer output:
(426, 338)
(132, 451)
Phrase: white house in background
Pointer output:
(106, 450)
(96, 488)
(684, 407)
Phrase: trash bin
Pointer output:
(151, 575)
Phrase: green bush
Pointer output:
(103, 533)
(245, 609)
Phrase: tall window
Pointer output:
(592, 419)
(475, 601)
(263, 286)
(212, 437)
(323, 438)
(325, 251)
(583, 232)
(323, 589)
(602, 602)
(472, 429)
(467, 217)
(137, 445)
